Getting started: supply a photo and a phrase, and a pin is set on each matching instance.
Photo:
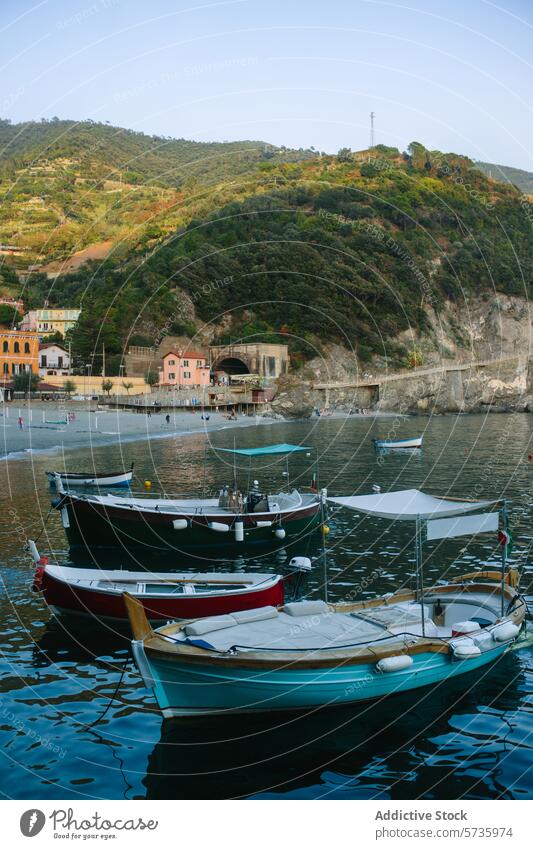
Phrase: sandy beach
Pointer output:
(43, 430)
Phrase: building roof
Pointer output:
(187, 355)
(44, 345)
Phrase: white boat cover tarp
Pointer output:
(311, 632)
(408, 504)
(462, 526)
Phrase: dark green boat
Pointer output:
(233, 520)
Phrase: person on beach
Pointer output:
(21, 422)
(167, 417)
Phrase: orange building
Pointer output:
(184, 368)
(19, 351)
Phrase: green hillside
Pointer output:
(523, 180)
(351, 249)
(66, 186)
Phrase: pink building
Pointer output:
(184, 368)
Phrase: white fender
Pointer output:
(464, 649)
(395, 663)
(180, 524)
(280, 533)
(239, 532)
(218, 526)
(34, 550)
(504, 632)
(300, 564)
(263, 524)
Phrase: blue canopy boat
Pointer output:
(310, 653)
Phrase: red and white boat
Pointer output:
(164, 595)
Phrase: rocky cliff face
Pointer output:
(475, 358)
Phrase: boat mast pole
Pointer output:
(420, 570)
(505, 525)
(324, 550)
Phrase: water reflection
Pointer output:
(406, 747)
(56, 680)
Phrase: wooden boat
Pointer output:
(163, 595)
(311, 654)
(234, 518)
(387, 444)
(101, 479)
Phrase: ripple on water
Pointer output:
(471, 739)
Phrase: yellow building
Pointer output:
(19, 352)
(50, 320)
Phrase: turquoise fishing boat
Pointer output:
(311, 654)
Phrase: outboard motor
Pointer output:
(299, 569)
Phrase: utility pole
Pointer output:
(372, 139)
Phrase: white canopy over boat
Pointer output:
(409, 505)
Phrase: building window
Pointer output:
(16, 348)
(5, 347)
(26, 347)
(60, 362)
(43, 360)
(185, 363)
(186, 374)
(6, 368)
(172, 376)
(171, 362)
(14, 368)
(199, 363)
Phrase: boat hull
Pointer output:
(118, 480)
(69, 599)
(90, 524)
(186, 689)
(386, 444)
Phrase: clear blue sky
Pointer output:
(453, 75)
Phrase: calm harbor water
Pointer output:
(470, 738)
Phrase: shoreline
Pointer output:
(101, 428)
(44, 433)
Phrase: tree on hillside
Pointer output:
(151, 378)
(107, 386)
(25, 381)
(69, 386)
(9, 315)
(56, 337)
(127, 386)
(345, 154)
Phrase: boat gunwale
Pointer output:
(82, 476)
(106, 510)
(159, 644)
(270, 580)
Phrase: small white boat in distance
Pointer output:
(101, 479)
(412, 442)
